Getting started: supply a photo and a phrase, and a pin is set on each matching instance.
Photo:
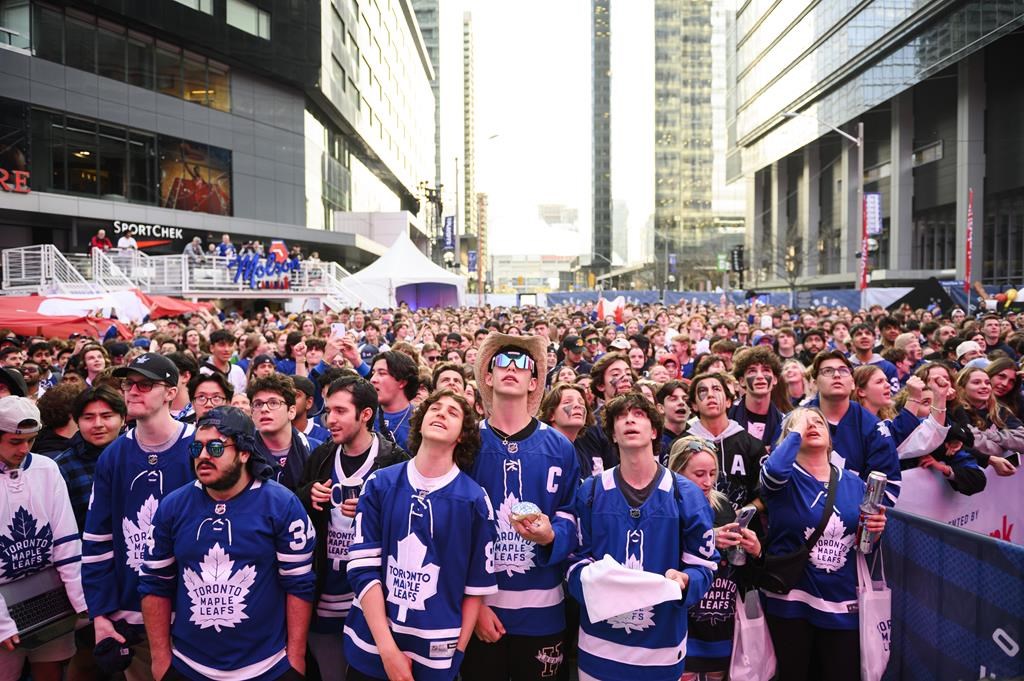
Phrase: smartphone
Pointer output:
(745, 515)
(338, 329)
(766, 321)
(1013, 458)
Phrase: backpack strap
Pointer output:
(830, 502)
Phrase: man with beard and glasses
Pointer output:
(230, 557)
(133, 475)
(329, 489)
(758, 371)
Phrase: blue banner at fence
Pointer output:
(957, 602)
(829, 298)
(448, 233)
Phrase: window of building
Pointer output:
(218, 85)
(247, 17)
(194, 177)
(80, 43)
(194, 78)
(81, 157)
(48, 36)
(168, 69)
(204, 6)
(15, 23)
(110, 51)
(140, 51)
(142, 183)
(113, 162)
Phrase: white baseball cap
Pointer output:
(965, 347)
(19, 416)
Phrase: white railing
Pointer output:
(44, 269)
(107, 274)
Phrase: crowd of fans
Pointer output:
(394, 451)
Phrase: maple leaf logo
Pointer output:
(410, 582)
(218, 594)
(829, 553)
(23, 550)
(512, 553)
(136, 533)
(634, 620)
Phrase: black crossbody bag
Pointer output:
(779, 574)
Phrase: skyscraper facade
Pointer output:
(469, 225)
(601, 241)
(428, 16)
(915, 102)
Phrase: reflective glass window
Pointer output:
(14, 18)
(194, 72)
(48, 37)
(110, 52)
(82, 153)
(80, 44)
(113, 162)
(140, 60)
(168, 70)
(218, 86)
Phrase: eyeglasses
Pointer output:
(267, 404)
(431, 358)
(215, 448)
(141, 386)
(592, 341)
(520, 360)
(829, 372)
(215, 400)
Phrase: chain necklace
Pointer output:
(408, 410)
(512, 447)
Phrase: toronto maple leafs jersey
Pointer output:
(228, 567)
(38, 530)
(672, 529)
(541, 468)
(126, 492)
(887, 367)
(427, 551)
(826, 595)
(862, 443)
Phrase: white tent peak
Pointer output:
(403, 265)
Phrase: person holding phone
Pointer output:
(329, 490)
(713, 619)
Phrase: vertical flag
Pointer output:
(862, 280)
(970, 241)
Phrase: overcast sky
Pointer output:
(533, 93)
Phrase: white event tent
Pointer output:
(403, 273)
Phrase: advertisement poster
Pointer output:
(195, 177)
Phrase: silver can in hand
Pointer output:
(873, 494)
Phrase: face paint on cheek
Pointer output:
(567, 410)
(702, 393)
(750, 382)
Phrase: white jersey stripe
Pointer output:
(530, 598)
(631, 655)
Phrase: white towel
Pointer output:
(610, 589)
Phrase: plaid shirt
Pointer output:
(78, 466)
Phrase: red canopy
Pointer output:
(35, 324)
(165, 306)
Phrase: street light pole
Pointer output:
(862, 270)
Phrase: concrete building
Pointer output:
(428, 16)
(183, 118)
(933, 86)
(530, 273)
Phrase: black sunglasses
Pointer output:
(215, 448)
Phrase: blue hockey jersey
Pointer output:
(126, 492)
(862, 443)
(397, 423)
(887, 367)
(672, 529)
(826, 595)
(427, 551)
(543, 469)
(228, 568)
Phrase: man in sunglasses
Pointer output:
(519, 631)
(136, 471)
(231, 557)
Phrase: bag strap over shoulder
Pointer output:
(830, 502)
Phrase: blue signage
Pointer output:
(449, 233)
(672, 263)
(270, 272)
(472, 261)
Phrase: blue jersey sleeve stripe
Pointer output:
(67, 561)
(157, 564)
(363, 553)
(364, 563)
(294, 557)
(102, 558)
(89, 537)
(300, 570)
(64, 540)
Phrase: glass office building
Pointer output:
(933, 86)
(192, 118)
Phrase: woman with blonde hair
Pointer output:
(813, 622)
(712, 620)
(996, 430)
(794, 377)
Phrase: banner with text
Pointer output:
(998, 511)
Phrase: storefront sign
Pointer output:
(143, 230)
(14, 181)
(263, 273)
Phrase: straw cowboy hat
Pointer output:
(535, 346)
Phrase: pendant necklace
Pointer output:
(512, 447)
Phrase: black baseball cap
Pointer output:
(153, 366)
(262, 359)
(573, 343)
(305, 385)
(231, 422)
(369, 352)
(14, 381)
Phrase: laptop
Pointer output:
(40, 608)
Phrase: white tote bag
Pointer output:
(753, 656)
(874, 604)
